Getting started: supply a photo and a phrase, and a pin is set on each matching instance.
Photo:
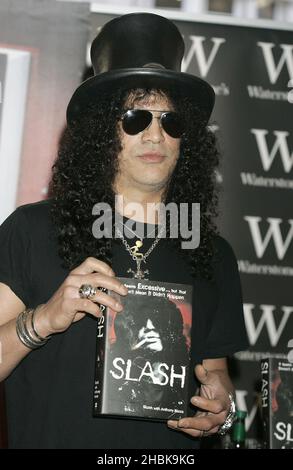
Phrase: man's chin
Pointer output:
(153, 183)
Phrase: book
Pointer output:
(143, 353)
(277, 403)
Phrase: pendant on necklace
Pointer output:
(139, 274)
(135, 249)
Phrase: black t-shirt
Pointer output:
(50, 393)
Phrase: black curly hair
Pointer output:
(85, 169)
(164, 314)
(167, 322)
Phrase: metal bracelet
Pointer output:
(40, 338)
(24, 334)
(230, 418)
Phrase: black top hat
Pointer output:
(139, 50)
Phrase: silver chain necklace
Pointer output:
(139, 257)
(139, 242)
(137, 236)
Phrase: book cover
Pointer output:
(142, 363)
(277, 403)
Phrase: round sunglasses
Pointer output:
(137, 120)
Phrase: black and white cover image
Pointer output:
(142, 364)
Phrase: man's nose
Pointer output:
(154, 131)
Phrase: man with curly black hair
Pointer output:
(136, 129)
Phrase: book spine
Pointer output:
(100, 362)
(265, 401)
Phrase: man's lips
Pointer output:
(152, 157)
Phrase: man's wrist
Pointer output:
(228, 423)
(41, 323)
(26, 330)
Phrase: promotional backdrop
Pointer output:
(250, 69)
(42, 55)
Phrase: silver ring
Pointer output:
(86, 291)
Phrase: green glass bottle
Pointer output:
(238, 431)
